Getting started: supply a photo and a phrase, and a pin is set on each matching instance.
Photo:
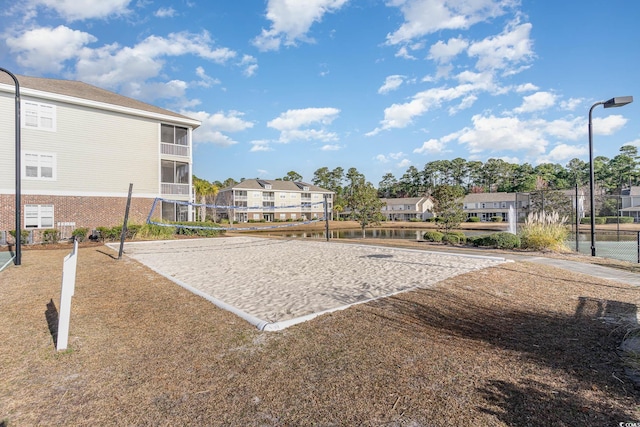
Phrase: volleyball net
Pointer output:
(181, 214)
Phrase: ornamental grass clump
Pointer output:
(544, 231)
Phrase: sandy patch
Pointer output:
(277, 283)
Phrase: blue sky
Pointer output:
(283, 85)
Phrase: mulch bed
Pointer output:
(520, 344)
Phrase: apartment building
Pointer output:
(81, 147)
(407, 209)
(269, 200)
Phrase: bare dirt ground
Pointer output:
(520, 344)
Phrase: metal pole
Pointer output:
(326, 216)
(18, 257)
(123, 234)
(577, 222)
(592, 208)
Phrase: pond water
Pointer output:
(609, 244)
(377, 233)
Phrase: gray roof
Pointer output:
(489, 197)
(404, 200)
(85, 91)
(276, 185)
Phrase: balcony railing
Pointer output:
(174, 149)
(175, 189)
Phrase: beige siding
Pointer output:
(7, 141)
(97, 152)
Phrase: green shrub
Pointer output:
(132, 231)
(454, 237)
(598, 220)
(80, 234)
(496, 219)
(24, 236)
(621, 219)
(451, 238)
(155, 232)
(191, 229)
(473, 219)
(433, 236)
(108, 233)
(50, 236)
(500, 240)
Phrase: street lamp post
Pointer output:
(18, 257)
(613, 102)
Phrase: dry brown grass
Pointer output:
(521, 344)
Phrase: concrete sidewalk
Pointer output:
(608, 273)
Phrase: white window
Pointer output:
(36, 115)
(39, 166)
(38, 216)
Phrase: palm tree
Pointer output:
(203, 189)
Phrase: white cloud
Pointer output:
(391, 83)
(116, 67)
(566, 128)
(536, 102)
(205, 80)
(250, 65)
(213, 126)
(46, 49)
(331, 147)
(401, 115)
(157, 90)
(165, 12)
(527, 87)
(292, 124)
(511, 47)
(75, 10)
(490, 133)
(260, 145)
(563, 152)
(444, 52)
(291, 20)
(424, 17)
(404, 163)
(396, 156)
(403, 52)
(571, 104)
(608, 125)
(432, 146)
(382, 158)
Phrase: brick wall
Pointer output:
(90, 212)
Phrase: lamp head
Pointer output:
(618, 101)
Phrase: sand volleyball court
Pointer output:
(276, 283)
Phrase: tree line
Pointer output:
(355, 194)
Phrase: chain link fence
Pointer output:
(613, 239)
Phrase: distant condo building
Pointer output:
(270, 200)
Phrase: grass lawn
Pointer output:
(518, 344)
